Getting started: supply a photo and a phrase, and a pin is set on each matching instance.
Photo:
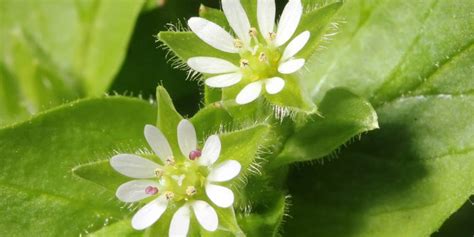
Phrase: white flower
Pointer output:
(185, 180)
(263, 62)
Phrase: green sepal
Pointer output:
(211, 119)
(168, 118)
(249, 114)
(293, 97)
(214, 15)
(212, 95)
(243, 145)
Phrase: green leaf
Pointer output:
(10, 109)
(243, 145)
(212, 118)
(413, 61)
(459, 224)
(214, 15)
(119, 228)
(413, 172)
(52, 63)
(40, 192)
(267, 217)
(212, 95)
(317, 23)
(343, 115)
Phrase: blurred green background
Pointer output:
(59, 51)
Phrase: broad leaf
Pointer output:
(343, 115)
(413, 60)
(59, 51)
(410, 173)
(40, 193)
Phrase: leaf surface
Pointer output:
(343, 116)
(54, 52)
(39, 189)
(413, 61)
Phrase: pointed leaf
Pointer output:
(168, 119)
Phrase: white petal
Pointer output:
(295, 45)
(134, 190)
(225, 171)
(237, 18)
(180, 223)
(158, 142)
(266, 16)
(225, 80)
(274, 85)
(212, 34)
(289, 20)
(186, 137)
(206, 215)
(211, 65)
(211, 151)
(134, 166)
(249, 93)
(221, 196)
(291, 66)
(150, 213)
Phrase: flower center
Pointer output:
(262, 60)
(180, 180)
